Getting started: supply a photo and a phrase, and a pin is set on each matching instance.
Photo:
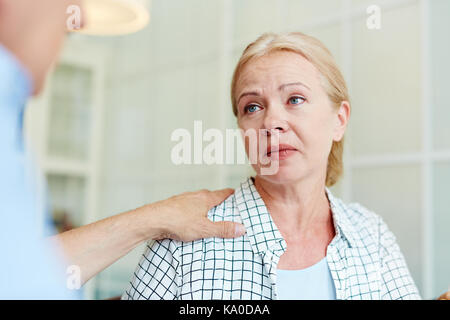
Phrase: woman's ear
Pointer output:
(342, 118)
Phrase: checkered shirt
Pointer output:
(364, 258)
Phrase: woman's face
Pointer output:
(281, 93)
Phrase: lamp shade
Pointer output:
(114, 17)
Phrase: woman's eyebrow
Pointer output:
(283, 86)
(250, 93)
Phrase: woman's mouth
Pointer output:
(282, 151)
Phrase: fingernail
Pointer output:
(239, 230)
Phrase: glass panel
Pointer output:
(70, 104)
(252, 18)
(180, 31)
(394, 193)
(440, 64)
(331, 38)
(196, 91)
(366, 3)
(386, 85)
(67, 200)
(301, 12)
(441, 229)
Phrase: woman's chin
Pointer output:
(283, 174)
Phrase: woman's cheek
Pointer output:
(311, 137)
(248, 123)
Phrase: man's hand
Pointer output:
(184, 217)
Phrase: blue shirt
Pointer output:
(312, 283)
(29, 268)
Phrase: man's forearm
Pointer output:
(97, 245)
(183, 217)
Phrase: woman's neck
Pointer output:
(298, 208)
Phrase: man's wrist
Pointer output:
(150, 222)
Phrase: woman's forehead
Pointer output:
(278, 68)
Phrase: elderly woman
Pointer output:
(301, 242)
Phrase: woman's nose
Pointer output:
(275, 122)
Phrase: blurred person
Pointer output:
(31, 34)
(302, 242)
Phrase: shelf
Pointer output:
(67, 167)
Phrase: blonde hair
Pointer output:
(318, 55)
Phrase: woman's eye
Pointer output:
(296, 100)
(251, 108)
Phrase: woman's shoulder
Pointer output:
(381, 233)
(362, 215)
(353, 212)
(367, 218)
(225, 211)
(365, 223)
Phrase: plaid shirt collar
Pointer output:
(263, 232)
